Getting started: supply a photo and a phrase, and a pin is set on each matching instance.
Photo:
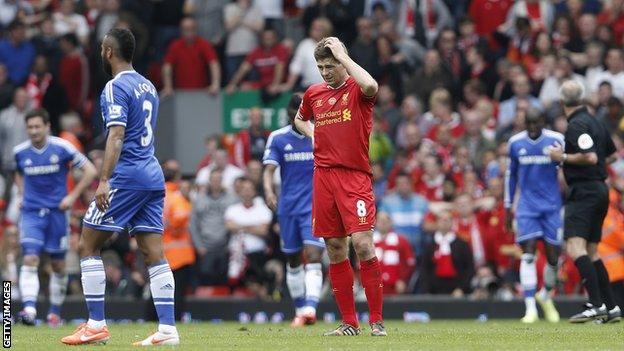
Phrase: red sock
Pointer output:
(370, 274)
(341, 276)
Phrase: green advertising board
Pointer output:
(236, 110)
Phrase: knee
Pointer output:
(58, 266)
(337, 252)
(31, 260)
(85, 249)
(294, 260)
(364, 249)
(575, 249)
(153, 256)
(313, 254)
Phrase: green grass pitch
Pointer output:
(436, 335)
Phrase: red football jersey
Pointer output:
(343, 119)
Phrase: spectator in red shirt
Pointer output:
(430, 183)
(267, 61)
(250, 142)
(73, 72)
(448, 265)
(395, 255)
(489, 14)
(186, 61)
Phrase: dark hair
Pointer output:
(170, 174)
(15, 25)
(70, 38)
(379, 5)
(402, 174)
(321, 52)
(125, 43)
(38, 112)
(293, 104)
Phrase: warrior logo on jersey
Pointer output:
(345, 98)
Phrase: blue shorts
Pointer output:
(547, 226)
(44, 230)
(296, 231)
(131, 210)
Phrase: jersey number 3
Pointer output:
(146, 139)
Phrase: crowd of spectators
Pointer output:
(456, 80)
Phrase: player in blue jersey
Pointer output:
(43, 163)
(130, 195)
(538, 213)
(291, 151)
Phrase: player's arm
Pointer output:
(267, 181)
(88, 175)
(305, 127)
(367, 83)
(580, 140)
(19, 182)
(511, 181)
(114, 143)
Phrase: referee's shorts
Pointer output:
(586, 207)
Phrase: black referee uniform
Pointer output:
(586, 206)
(587, 200)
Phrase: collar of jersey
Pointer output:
(340, 86)
(123, 72)
(536, 140)
(43, 149)
(300, 136)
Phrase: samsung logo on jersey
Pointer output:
(39, 170)
(144, 88)
(298, 156)
(534, 160)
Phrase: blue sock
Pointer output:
(93, 286)
(162, 287)
(56, 309)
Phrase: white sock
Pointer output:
(58, 288)
(313, 285)
(528, 280)
(295, 280)
(29, 288)
(162, 286)
(93, 287)
(550, 280)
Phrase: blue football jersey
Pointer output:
(130, 100)
(293, 153)
(44, 171)
(531, 168)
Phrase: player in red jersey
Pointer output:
(342, 202)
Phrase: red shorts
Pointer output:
(342, 202)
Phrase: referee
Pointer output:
(588, 149)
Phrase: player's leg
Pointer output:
(577, 228)
(56, 244)
(342, 279)
(147, 225)
(57, 289)
(356, 204)
(604, 284)
(32, 226)
(528, 276)
(313, 251)
(551, 226)
(295, 274)
(326, 223)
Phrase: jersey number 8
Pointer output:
(146, 139)
(361, 208)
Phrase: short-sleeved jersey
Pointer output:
(293, 153)
(343, 119)
(531, 168)
(586, 134)
(44, 171)
(130, 100)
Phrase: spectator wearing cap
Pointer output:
(17, 52)
(190, 63)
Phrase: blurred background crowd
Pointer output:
(456, 78)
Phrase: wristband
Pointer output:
(563, 159)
